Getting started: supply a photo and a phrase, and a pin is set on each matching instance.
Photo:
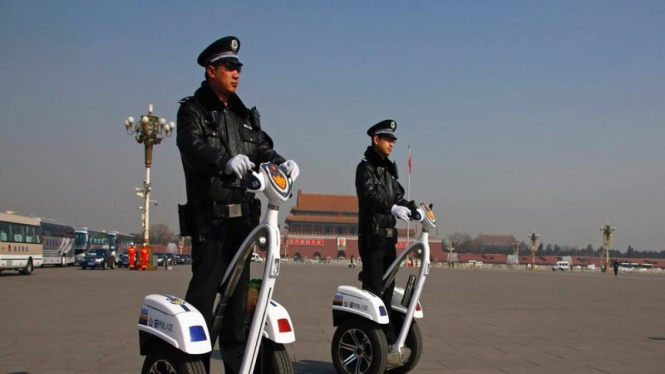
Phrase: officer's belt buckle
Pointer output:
(389, 233)
(234, 210)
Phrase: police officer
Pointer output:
(380, 202)
(220, 140)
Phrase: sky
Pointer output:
(521, 115)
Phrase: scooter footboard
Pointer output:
(349, 299)
(174, 321)
(278, 326)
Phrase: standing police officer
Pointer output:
(220, 140)
(380, 201)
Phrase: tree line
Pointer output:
(463, 243)
(159, 234)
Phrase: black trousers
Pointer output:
(210, 258)
(377, 254)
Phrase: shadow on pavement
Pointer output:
(313, 367)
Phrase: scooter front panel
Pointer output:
(185, 329)
(353, 300)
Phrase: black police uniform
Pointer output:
(219, 214)
(378, 190)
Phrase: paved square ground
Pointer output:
(67, 320)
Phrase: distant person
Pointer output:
(220, 141)
(380, 202)
(144, 257)
(131, 252)
(616, 267)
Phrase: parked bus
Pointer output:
(85, 240)
(20, 243)
(119, 242)
(58, 243)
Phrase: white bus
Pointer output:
(85, 240)
(119, 242)
(58, 242)
(20, 243)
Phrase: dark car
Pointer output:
(183, 259)
(164, 256)
(98, 258)
(123, 260)
(170, 258)
(160, 259)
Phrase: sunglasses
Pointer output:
(232, 67)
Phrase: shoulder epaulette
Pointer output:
(185, 99)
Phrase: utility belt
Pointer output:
(221, 210)
(195, 216)
(386, 233)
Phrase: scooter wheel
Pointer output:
(359, 347)
(414, 341)
(272, 359)
(165, 359)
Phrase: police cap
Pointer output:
(225, 49)
(384, 128)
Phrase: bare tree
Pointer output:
(161, 234)
(462, 242)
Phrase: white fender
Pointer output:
(176, 322)
(353, 300)
(278, 326)
(398, 307)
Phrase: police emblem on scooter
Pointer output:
(359, 345)
(173, 334)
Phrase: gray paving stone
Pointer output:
(65, 320)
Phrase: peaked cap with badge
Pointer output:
(223, 50)
(384, 128)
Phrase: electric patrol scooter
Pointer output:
(173, 335)
(359, 345)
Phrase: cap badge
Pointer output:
(392, 125)
(234, 45)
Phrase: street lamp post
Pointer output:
(534, 240)
(286, 245)
(607, 244)
(150, 131)
(451, 247)
(516, 251)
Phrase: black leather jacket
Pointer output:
(205, 128)
(378, 190)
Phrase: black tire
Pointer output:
(359, 346)
(27, 270)
(83, 265)
(272, 359)
(414, 341)
(164, 359)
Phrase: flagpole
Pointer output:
(408, 197)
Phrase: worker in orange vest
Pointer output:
(144, 257)
(131, 252)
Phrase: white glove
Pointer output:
(400, 212)
(290, 168)
(239, 165)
